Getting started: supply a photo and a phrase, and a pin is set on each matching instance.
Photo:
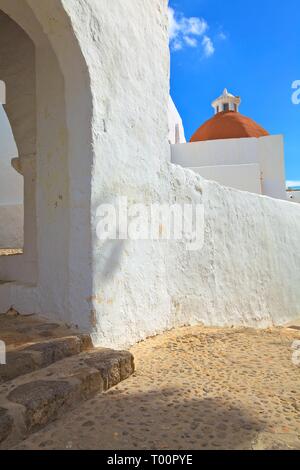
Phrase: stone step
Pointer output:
(31, 401)
(23, 360)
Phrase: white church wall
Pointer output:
(267, 152)
(243, 177)
(271, 157)
(90, 151)
(216, 152)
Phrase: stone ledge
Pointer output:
(36, 356)
(30, 402)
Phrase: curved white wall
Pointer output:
(248, 271)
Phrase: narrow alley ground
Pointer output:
(194, 388)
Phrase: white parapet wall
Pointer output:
(245, 177)
(102, 134)
(248, 271)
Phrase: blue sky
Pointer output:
(253, 49)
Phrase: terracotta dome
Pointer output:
(228, 125)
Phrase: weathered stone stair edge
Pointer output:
(26, 359)
(30, 402)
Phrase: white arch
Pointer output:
(61, 165)
(11, 189)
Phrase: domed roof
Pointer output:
(228, 125)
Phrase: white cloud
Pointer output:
(191, 42)
(222, 36)
(177, 45)
(185, 31)
(194, 26)
(208, 46)
(173, 25)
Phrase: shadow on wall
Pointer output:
(111, 255)
(109, 248)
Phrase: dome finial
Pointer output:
(226, 102)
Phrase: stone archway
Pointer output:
(50, 112)
(17, 69)
(11, 187)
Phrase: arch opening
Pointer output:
(11, 192)
(51, 112)
(17, 150)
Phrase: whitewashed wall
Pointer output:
(248, 272)
(103, 133)
(18, 72)
(267, 152)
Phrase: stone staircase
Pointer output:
(49, 370)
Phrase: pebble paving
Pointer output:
(194, 388)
